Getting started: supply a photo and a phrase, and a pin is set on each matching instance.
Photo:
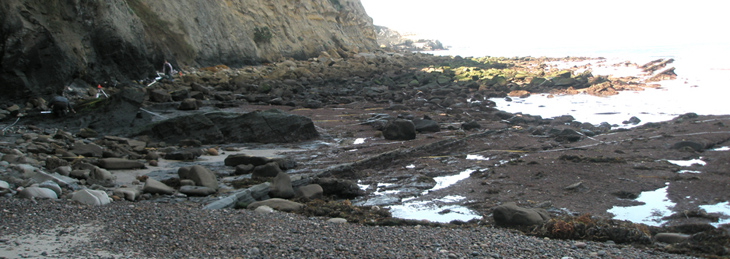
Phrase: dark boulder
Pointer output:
(271, 126)
(265, 171)
(243, 159)
(400, 130)
(195, 126)
(341, 188)
(567, 135)
(633, 120)
(160, 96)
(509, 214)
(424, 125)
(281, 187)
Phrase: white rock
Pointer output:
(37, 192)
(337, 220)
(4, 187)
(264, 209)
(53, 186)
(91, 197)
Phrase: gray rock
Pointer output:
(80, 174)
(91, 197)
(128, 193)
(40, 176)
(281, 187)
(38, 193)
(101, 177)
(424, 125)
(63, 170)
(243, 196)
(265, 171)
(120, 164)
(53, 186)
(310, 192)
(510, 214)
(88, 150)
(277, 204)
(196, 190)
(400, 130)
(200, 175)
(156, 187)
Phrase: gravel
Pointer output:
(183, 230)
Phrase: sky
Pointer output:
(564, 23)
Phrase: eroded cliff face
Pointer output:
(48, 44)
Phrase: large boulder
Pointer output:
(101, 177)
(342, 188)
(400, 130)
(281, 187)
(509, 214)
(156, 187)
(425, 125)
(310, 192)
(272, 126)
(195, 126)
(265, 171)
(200, 175)
(88, 150)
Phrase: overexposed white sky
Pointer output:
(564, 23)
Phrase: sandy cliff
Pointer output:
(48, 44)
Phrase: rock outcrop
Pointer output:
(272, 126)
(48, 45)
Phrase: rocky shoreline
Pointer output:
(186, 147)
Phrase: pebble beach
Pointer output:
(66, 229)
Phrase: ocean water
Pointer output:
(702, 85)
